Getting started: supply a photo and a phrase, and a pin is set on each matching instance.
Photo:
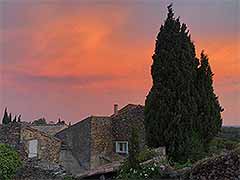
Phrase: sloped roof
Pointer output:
(125, 109)
(128, 108)
(40, 132)
(89, 118)
(104, 169)
(49, 129)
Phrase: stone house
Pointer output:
(86, 146)
(99, 140)
(40, 145)
(123, 121)
(31, 143)
(84, 142)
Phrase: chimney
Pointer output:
(115, 109)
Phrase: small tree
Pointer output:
(131, 163)
(41, 121)
(10, 118)
(9, 162)
(15, 119)
(5, 119)
(60, 122)
(133, 149)
(19, 118)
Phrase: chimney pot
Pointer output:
(115, 109)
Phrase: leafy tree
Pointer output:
(9, 162)
(5, 119)
(210, 120)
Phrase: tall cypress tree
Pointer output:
(10, 117)
(182, 111)
(15, 119)
(171, 105)
(5, 119)
(210, 120)
(19, 118)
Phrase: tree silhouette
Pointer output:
(15, 119)
(19, 118)
(5, 119)
(210, 120)
(172, 107)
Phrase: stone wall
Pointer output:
(48, 147)
(131, 116)
(32, 172)
(91, 142)
(76, 138)
(18, 135)
(225, 166)
(101, 141)
(69, 162)
(10, 134)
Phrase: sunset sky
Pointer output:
(75, 58)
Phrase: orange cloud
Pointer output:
(86, 53)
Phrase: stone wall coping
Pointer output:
(99, 116)
(49, 125)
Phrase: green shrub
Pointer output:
(142, 171)
(182, 165)
(133, 149)
(230, 145)
(217, 145)
(9, 162)
(150, 171)
(69, 178)
(146, 154)
(197, 151)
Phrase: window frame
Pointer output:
(117, 147)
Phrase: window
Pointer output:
(33, 148)
(122, 147)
